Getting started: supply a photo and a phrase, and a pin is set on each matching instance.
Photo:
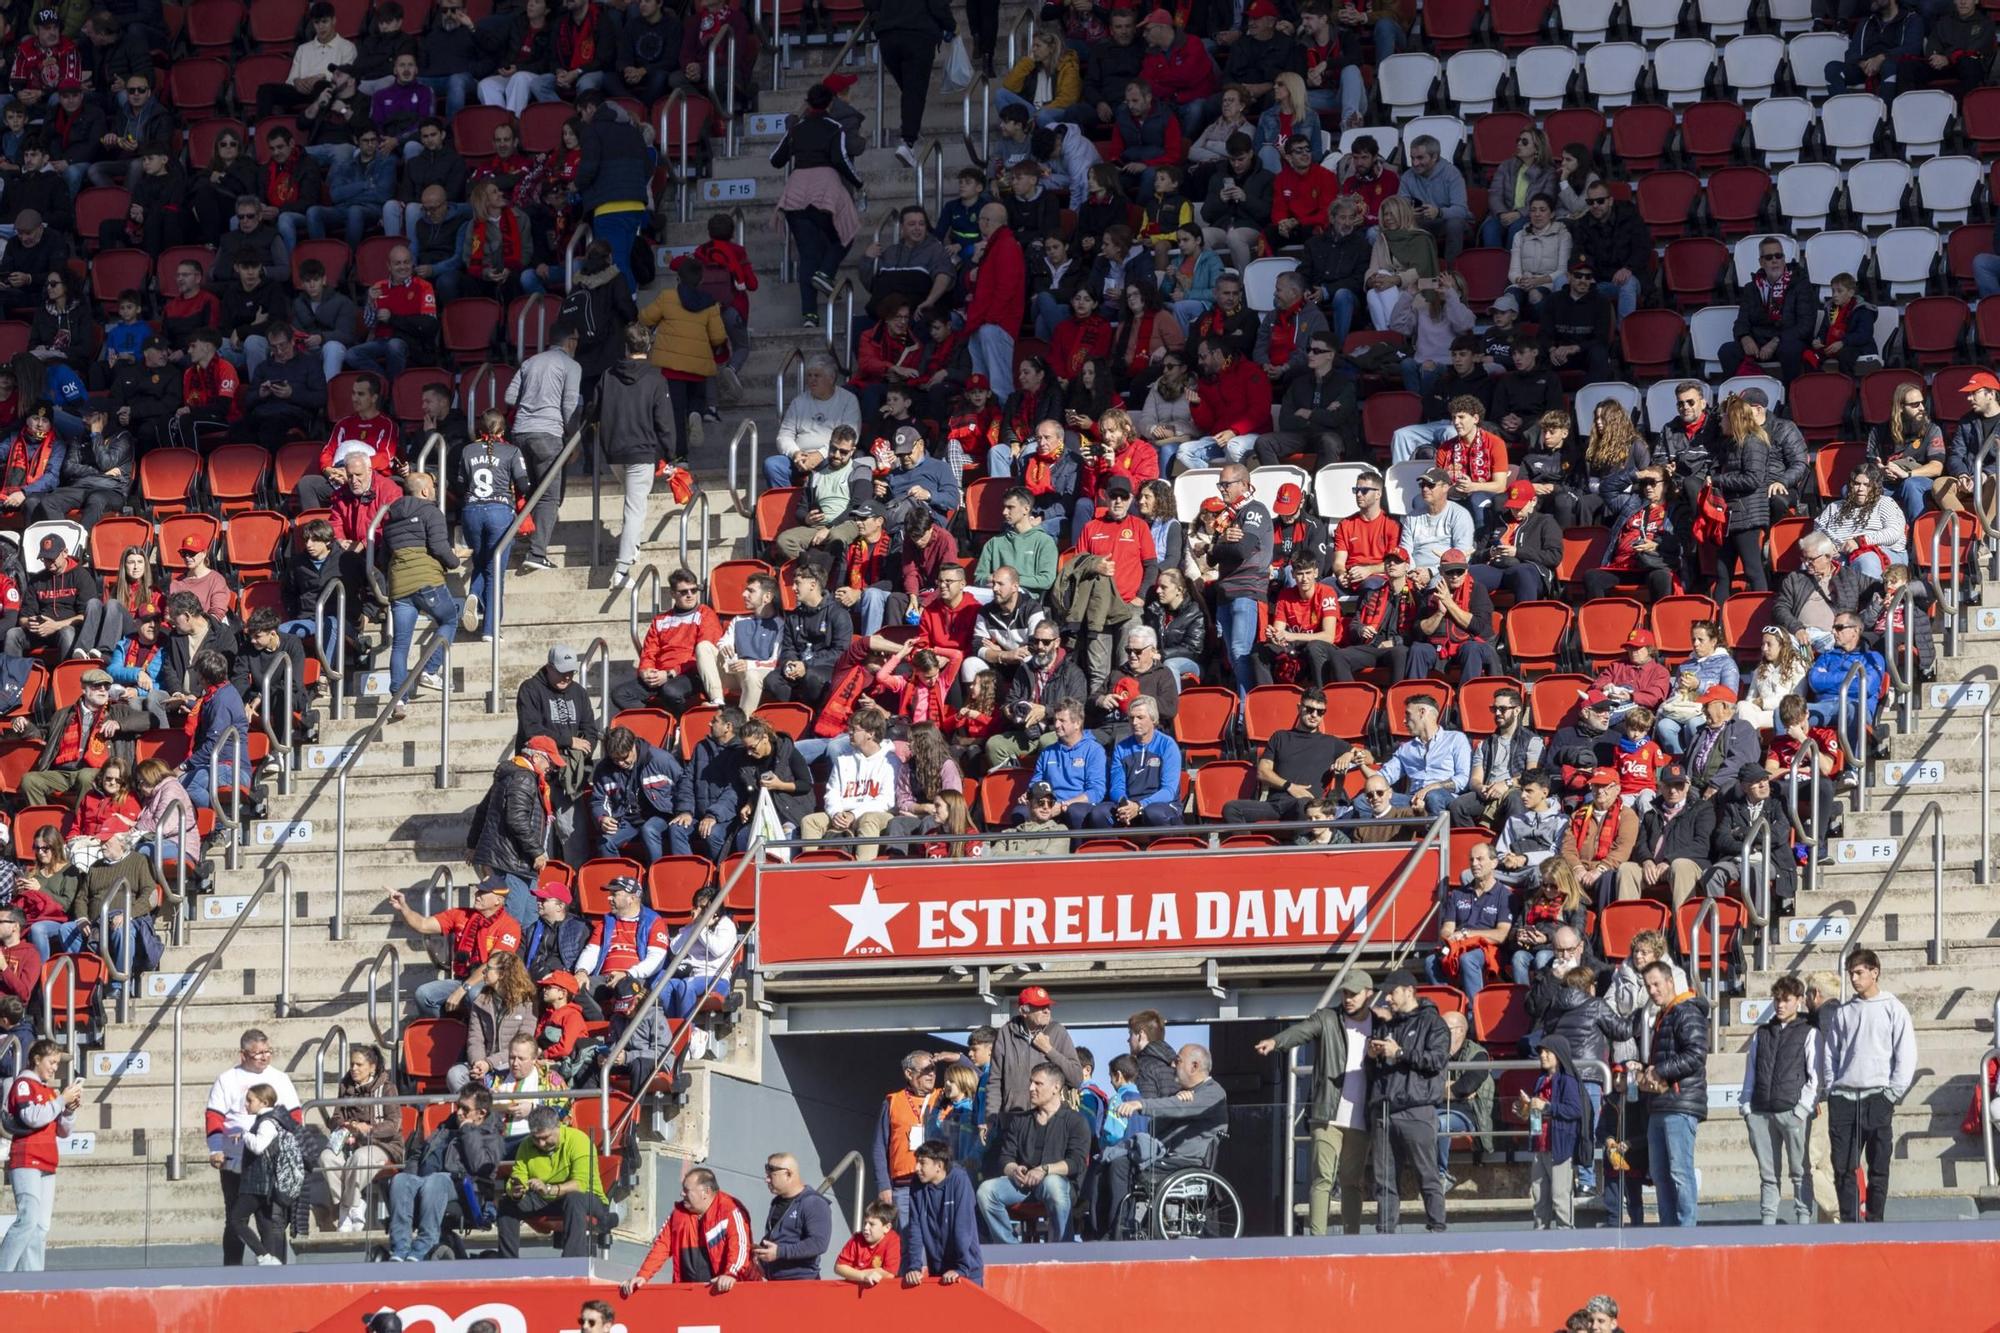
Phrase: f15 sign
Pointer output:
(921, 913)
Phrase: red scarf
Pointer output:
(284, 183)
(864, 562)
(510, 242)
(576, 43)
(194, 714)
(1037, 476)
(1607, 830)
(975, 432)
(1285, 335)
(24, 469)
(542, 786)
(1645, 525)
(1138, 355)
(1773, 293)
(1474, 459)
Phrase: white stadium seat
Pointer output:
(1806, 192)
(1617, 391)
(1946, 186)
(1809, 54)
(1904, 258)
(1738, 383)
(1472, 80)
(1542, 76)
(1778, 128)
(1660, 408)
(1450, 132)
(1709, 329)
(1722, 18)
(1835, 252)
(1876, 190)
(1260, 281)
(1611, 73)
(1920, 118)
(1656, 20)
(1750, 65)
(1586, 22)
(1791, 16)
(1333, 488)
(1681, 68)
(1404, 82)
(1849, 122)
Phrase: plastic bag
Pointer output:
(957, 68)
(765, 824)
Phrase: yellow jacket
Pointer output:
(686, 340)
(1068, 91)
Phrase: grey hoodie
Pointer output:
(1871, 1046)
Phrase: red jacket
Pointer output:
(1127, 546)
(1305, 195)
(1000, 287)
(215, 387)
(719, 1237)
(1238, 400)
(878, 350)
(1649, 683)
(38, 1106)
(1372, 193)
(1077, 341)
(1173, 146)
(377, 432)
(671, 638)
(353, 513)
(1139, 464)
(20, 969)
(1181, 73)
(734, 260)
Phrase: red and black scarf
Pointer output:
(509, 226)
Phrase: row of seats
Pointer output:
(218, 27)
(1454, 25)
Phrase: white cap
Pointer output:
(348, 448)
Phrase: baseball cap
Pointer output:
(1159, 16)
(48, 16)
(1117, 484)
(564, 981)
(977, 381)
(193, 545)
(1358, 983)
(1036, 997)
(1640, 638)
(1984, 379)
(1212, 505)
(1435, 476)
(1718, 694)
(1261, 9)
(69, 86)
(907, 439)
(866, 509)
(1673, 775)
(156, 342)
(1041, 791)
(1596, 699)
(1508, 302)
(52, 546)
(623, 884)
(1520, 493)
(1397, 556)
(554, 891)
(97, 676)
(1452, 559)
(1755, 396)
(1581, 265)
(839, 84)
(1400, 977)
(1288, 499)
(562, 657)
(1603, 777)
(545, 747)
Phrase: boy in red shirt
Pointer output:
(875, 1252)
(1305, 628)
(1639, 759)
(563, 1031)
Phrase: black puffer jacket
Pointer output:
(1742, 474)
(1585, 1021)
(1680, 1059)
(1416, 1077)
(510, 827)
(89, 462)
(1156, 1070)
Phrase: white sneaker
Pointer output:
(620, 576)
(697, 1044)
(269, 1261)
(906, 155)
(431, 680)
(351, 1224)
(473, 615)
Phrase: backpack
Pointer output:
(288, 1164)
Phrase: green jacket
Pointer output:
(1323, 1028)
(1474, 1087)
(1032, 555)
(574, 1158)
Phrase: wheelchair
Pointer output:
(1174, 1198)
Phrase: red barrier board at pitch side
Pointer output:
(544, 1305)
(1210, 904)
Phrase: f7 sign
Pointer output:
(1212, 904)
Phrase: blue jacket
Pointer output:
(571, 938)
(640, 792)
(1149, 774)
(128, 675)
(614, 164)
(943, 1231)
(1563, 1117)
(1074, 770)
(934, 475)
(51, 474)
(756, 638)
(1830, 668)
(223, 710)
(358, 184)
(126, 339)
(708, 785)
(1899, 37)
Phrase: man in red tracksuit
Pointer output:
(1230, 403)
(707, 1237)
(1301, 195)
(667, 676)
(999, 300)
(1180, 72)
(367, 424)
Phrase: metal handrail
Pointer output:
(699, 500)
(1864, 725)
(1984, 872)
(239, 764)
(540, 310)
(984, 149)
(1932, 813)
(432, 943)
(722, 34)
(13, 1064)
(681, 1038)
(105, 953)
(333, 668)
(1213, 833)
(746, 502)
(500, 552)
(1947, 589)
(1986, 1117)
(439, 637)
(933, 151)
(485, 370)
(392, 1040)
(1805, 833)
(1903, 677)
(683, 196)
(1438, 832)
(844, 288)
(1760, 827)
(1988, 463)
(175, 893)
(434, 446)
(582, 236)
(689, 935)
(1707, 915)
(319, 1060)
(279, 876)
(281, 746)
(61, 968)
(598, 651)
(648, 576)
(1027, 17)
(852, 1162)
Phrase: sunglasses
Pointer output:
(1598, 201)
(1366, 490)
(1307, 710)
(1045, 643)
(1780, 254)
(1691, 402)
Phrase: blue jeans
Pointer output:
(992, 350)
(430, 996)
(1586, 1171)
(1345, 302)
(457, 89)
(777, 472)
(1527, 960)
(1670, 1149)
(1451, 1123)
(1471, 976)
(485, 524)
(684, 994)
(54, 937)
(1403, 445)
(418, 1200)
(999, 1194)
(1625, 293)
(1914, 495)
(1236, 618)
(686, 840)
(1048, 115)
(1674, 735)
(1846, 721)
(443, 609)
(380, 356)
(1493, 233)
(1417, 379)
(650, 835)
(322, 218)
(1204, 451)
(1986, 274)
(195, 780)
(1049, 312)
(620, 231)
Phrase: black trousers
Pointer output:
(1400, 1140)
(266, 1215)
(1745, 548)
(674, 695)
(1278, 445)
(982, 17)
(579, 1210)
(1863, 1130)
(1281, 808)
(908, 56)
(1658, 583)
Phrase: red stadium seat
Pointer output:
(1484, 272)
(1743, 619)
(1574, 124)
(250, 73)
(1536, 634)
(1553, 698)
(274, 24)
(1930, 545)
(1602, 625)
(236, 475)
(1475, 703)
(1449, 25)
(787, 719)
(1224, 780)
(1500, 1015)
(33, 819)
(332, 253)
(672, 880)
(541, 127)
(113, 272)
(1640, 134)
(1820, 402)
(17, 760)
(1832, 467)
(97, 205)
(472, 129)
(1979, 114)
(1737, 199)
(774, 513)
(1719, 933)
(1652, 342)
(1960, 248)
(1397, 700)
(1269, 710)
(1710, 132)
(1673, 620)
(113, 535)
(431, 1046)
(171, 259)
(1494, 136)
(1785, 534)
(1694, 270)
(212, 26)
(727, 581)
(469, 324)
(179, 528)
(1934, 329)
(1201, 723)
(999, 792)
(251, 543)
(194, 86)
(166, 480)
(1878, 393)
(1517, 24)
(1351, 709)
(1448, 999)
(655, 726)
(1383, 414)
(593, 877)
(1583, 548)
(1618, 923)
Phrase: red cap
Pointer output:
(1595, 698)
(1603, 777)
(564, 981)
(1639, 638)
(1157, 16)
(839, 84)
(1288, 499)
(978, 381)
(554, 891)
(1718, 694)
(1520, 493)
(1399, 555)
(1261, 9)
(193, 545)
(1452, 557)
(1213, 505)
(1036, 997)
(1981, 380)
(542, 745)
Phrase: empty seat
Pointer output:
(1681, 68)
(1710, 131)
(1656, 20)
(1693, 269)
(1778, 128)
(1933, 328)
(1405, 81)
(1876, 190)
(1666, 201)
(1585, 22)
(1906, 259)
(1542, 76)
(1472, 80)
(1737, 197)
(1920, 118)
(1834, 252)
(1750, 64)
(1709, 328)
(1849, 124)
(1946, 186)
(1806, 192)
(1611, 72)
(1723, 18)
(1790, 15)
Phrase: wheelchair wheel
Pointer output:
(1195, 1204)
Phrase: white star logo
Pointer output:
(868, 920)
